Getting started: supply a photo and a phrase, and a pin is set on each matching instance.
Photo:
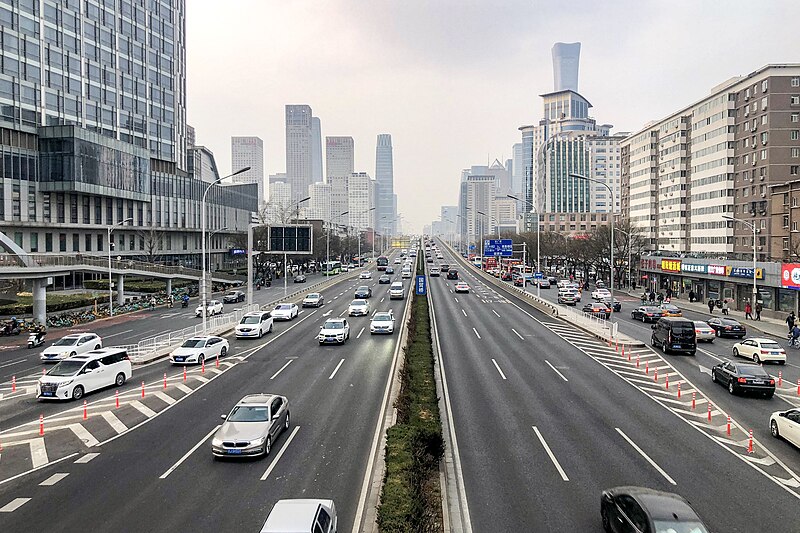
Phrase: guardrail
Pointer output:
(596, 324)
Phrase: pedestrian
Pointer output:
(660, 298)
(725, 307)
(652, 296)
(691, 296)
(633, 285)
(759, 308)
(790, 320)
(748, 310)
(711, 305)
(669, 293)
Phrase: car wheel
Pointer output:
(96, 346)
(73, 354)
(606, 520)
(713, 376)
(223, 352)
(773, 428)
(286, 423)
(653, 342)
(735, 352)
(268, 446)
(260, 333)
(756, 358)
(769, 395)
(730, 387)
(120, 380)
(201, 359)
(77, 392)
(782, 362)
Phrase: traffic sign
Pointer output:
(421, 285)
(538, 275)
(498, 247)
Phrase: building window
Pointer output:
(785, 221)
(62, 242)
(794, 226)
(794, 135)
(87, 211)
(98, 211)
(100, 241)
(794, 99)
(34, 241)
(73, 208)
(793, 170)
(764, 85)
(87, 242)
(31, 204)
(15, 201)
(76, 242)
(60, 209)
(795, 152)
(785, 243)
(109, 211)
(48, 242)
(795, 117)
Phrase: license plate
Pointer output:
(676, 346)
(774, 353)
(179, 359)
(235, 451)
(48, 394)
(758, 381)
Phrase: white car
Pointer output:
(439, 256)
(214, 308)
(71, 345)
(760, 350)
(285, 311)
(318, 516)
(254, 324)
(406, 274)
(397, 261)
(365, 275)
(703, 331)
(382, 322)
(396, 291)
(75, 376)
(786, 424)
(198, 349)
(601, 294)
(358, 308)
(334, 331)
(461, 287)
(435, 272)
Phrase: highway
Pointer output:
(547, 417)
(153, 471)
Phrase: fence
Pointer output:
(587, 321)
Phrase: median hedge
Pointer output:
(147, 286)
(411, 498)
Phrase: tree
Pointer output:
(153, 243)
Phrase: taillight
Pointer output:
(772, 382)
(764, 351)
(649, 314)
(697, 332)
(742, 380)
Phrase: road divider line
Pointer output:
(476, 333)
(274, 462)
(289, 362)
(83, 434)
(115, 423)
(550, 454)
(14, 504)
(190, 452)
(495, 313)
(517, 334)
(86, 458)
(52, 480)
(647, 457)
(335, 370)
(465, 313)
(359, 333)
(142, 408)
(116, 334)
(454, 298)
(556, 370)
(498, 369)
(382, 299)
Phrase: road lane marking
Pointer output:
(14, 504)
(465, 313)
(38, 452)
(327, 314)
(14, 363)
(274, 462)
(360, 332)
(382, 299)
(183, 388)
(476, 333)
(52, 480)
(647, 457)
(556, 370)
(166, 398)
(86, 458)
(517, 334)
(498, 369)
(142, 408)
(115, 334)
(83, 434)
(454, 298)
(281, 369)
(190, 452)
(495, 313)
(335, 370)
(550, 454)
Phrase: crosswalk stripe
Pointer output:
(83, 434)
(166, 398)
(142, 408)
(115, 423)
(183, 388)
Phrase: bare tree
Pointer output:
(153, 240)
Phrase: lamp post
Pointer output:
(538, 263)
(110, 290)
(328, 235)
(373, 236)
(628, 235)
(203, 217)
(755, 230)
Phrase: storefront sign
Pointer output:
(671, 265)
(790, 275)
(648, 264)
(717, 270)
(742, 272)
(695, 269)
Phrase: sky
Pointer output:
(452, 80)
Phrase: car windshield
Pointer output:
(66, 368)
(234, 293)
(334, 325)
(358, 302)
(363, 288)
(770, 346)
(752, 370)
(284, 307)
(382, 318)
(247, 413)
(66, 342)
(670, 308)
(680, 330)
(193, 343)
(671, 526)
(729, 322)
(313, 297)
(251, 320)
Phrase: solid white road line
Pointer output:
(86, 458)
(495, 313)
(517, 334)
(52, 480)
(556, 370)
(476, 333)
(274, 462)
(498, 369)
(465, 313)
(550, 454)
(359, 333)
(190, 452)
(14, 504)
(647, 457)
(335, 370)
(115, 334)
(281, 369)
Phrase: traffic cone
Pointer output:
(85, 414)
(709, 411)
(666, 382)
(13, 383)
(142, 389)
(41, 425)
(728, 428)
(679, 390)
(694, 404)
(750, 442)
(203, 367)
(165, 380)
(184, 372)
(116, 398)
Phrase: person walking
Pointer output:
(725, 307)
(711, 305)
(759, 308)
(691, 296)
(660, 298)
(790, 321)
(748, 310)
(652, 296)
(633, 285)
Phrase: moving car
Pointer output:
(598, 309)
(389, 270)
(566, 296)
(703, 331)
(397, 261)
(452, 273)
(434, 272)
(252, 426)
(601, 294)
(647, 313)
(334, 331)
(727, 327)
(461, 287)
(519, 281)
(382, 322)
(71, 345)
(302, 516)
(363, 292)
(674, 335)
(300, 278)
(506, 276)
(233, 297)
(786, 424)
(365, 275)
(743, 377)
(313, 299)
(396, 291)
(254, 324)
(87, 372)
(617, 304)
(198, 349)
(383, 280)
(444, 267)
(543, 283)
(760, 350)
(406, 274)
(640, 509)
(429, 259)
(670, 310)
(358, 308)
(285, 311)
(214, 307)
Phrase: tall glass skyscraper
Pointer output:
(384, 176)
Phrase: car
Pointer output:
(334, 331)
(461, 287)
(673, 334)
(300, 278)
(703, 331)
(70, 346)
(365, 275)
(543, 284)
(252, 426)
(743, 377)
(429, 259)
(671, 310)
(383, 280)
(601, 294)
(285, 311)
(598, 309)
(552, 280)
(646, 313)
(452, 274)
(519, 281)
(254, 324)
(760, 350)
(233, 297)
(363, 292)
(444, 267)
(358, 308)
(727, 327)
(214, 307)
(396, 291)
(617, 307)
(600, 284)
(576, 289)
(638, 509)
(434, 272)
(382, 322)
(439, 256)
(786, 424)
(198, 349)
(389, 270)
(566, 297)
(302, 516)
(313, 299)
(406, 274)
(506, 276)
(562, 283)
(74, 376)
(397, 261)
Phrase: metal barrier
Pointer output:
(590, 322)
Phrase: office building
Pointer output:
(384, 176)
(299, 147)
(339, 163)
(518, 171)
(281, 204)
(319, 205)
(566, 60)
(249, 152)
(361, 198)
(316, 150)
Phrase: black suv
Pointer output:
(673, 334)
(452, 274)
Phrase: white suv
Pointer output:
(318, 516)
(75, 376)
(396, 291)
(71, 345)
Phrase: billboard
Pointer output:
(790, 275)
(294, 239)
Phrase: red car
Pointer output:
(506, 276)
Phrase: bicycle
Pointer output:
(794, 342)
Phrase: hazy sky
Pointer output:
(452, 80)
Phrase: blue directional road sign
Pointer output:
(498, 248)
(538, 275)
(421, 285)
(471, 246)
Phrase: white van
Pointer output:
(302, 516)
(75, 376)
(396, 291)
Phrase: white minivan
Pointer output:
(302, 516)
(396, 291)
(75, 376)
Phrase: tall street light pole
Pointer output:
(110, 290)
(628, 235)
(755, 230)
(328, 235)
(538, 263)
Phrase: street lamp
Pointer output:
(373, 238)
(538, 263)
(110, 291)
(203, 241)
(628, 235)
(481, 236)
(328, 235)
(752, 227)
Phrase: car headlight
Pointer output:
(258, 442)
(64, 353)
(64, 384)
(216, 442)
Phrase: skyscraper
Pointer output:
(566, 58)
(316, 150)
(386, 211)
(249, 152)
(360, 197)
(299, 148)
(339, 163)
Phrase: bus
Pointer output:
(331, 268)
(519, 270)
(382, 262)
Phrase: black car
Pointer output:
(383, 280)
(744, 377)
(617, 304)
(629, 509)
(389, 270)
(647, 313)
(233, 297)
(300, 278)
(444, 267)
(429, 259)
(727, 327)
(673, 334)
(598, 309)
(362, 293)
(452, 274)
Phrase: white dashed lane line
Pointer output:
(52, 480)
(517, 334)
(498, 369)
(476, 333)
(14, 504)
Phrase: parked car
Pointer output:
(727, 327)
(646, 313)
(70, 346)
(334, 331)
(452, 274)
(76, 375)
(285, 311)
(703, 331)
(358, 308)
(198, 349)
(214, 307)
(313, 299)
(233, 297)
(786, 424)
(760, 350)
(300, 278)
(743, 377)
(674, 335)
(382, 322)
(302, 516)
(363, 292)
(598, 309)
(640, 509)
(252, 426)
(254, 324)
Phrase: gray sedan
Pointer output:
(252, 426)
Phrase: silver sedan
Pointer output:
(252, 426)
(703, 331)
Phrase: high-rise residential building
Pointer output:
(386, 211)
(316, 150)
(249, 152)
(339, 163)
(360, 195)
(478, 209)
(299, 148)
(566, 60)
